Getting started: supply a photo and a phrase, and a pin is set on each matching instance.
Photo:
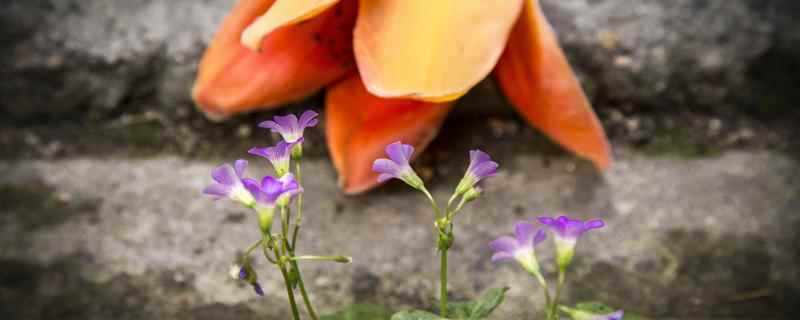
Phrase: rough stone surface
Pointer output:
(686, 238)
(102, 158)
(97, 57)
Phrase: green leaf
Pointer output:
(415, 315)
(359, 312)
(479, 308)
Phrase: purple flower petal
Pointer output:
(239, 167)
(268, 192)
(308, 119)
(478, 156)
(217, 191)
(546, 220)
(618, 315)
(567, 228)
(386, 166)
(269, 124)
(287, 123)
(224, 174)
(289, 185)
(257, 288)
(502, 256)
(271, 186)
(252, 186)
(289, 127)
(486, 169)
(525, 233)
(504, 244)
(243, 273)
(481, 165)
(594, 224)
(539, 237)
(397, 165)
(261, 152)
(399, 153)
(384, 176)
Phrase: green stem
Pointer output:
(284, 221)
(546, 290)
(450, 202)
(251, 248)
(433, 202)
(559, 286)
(452, 214)
(287, 283)
(299, 217)
(340, 259)
(443, 284)
(290, 292)
(292, 259)
(303, 292)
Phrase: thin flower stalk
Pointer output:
(397, 166)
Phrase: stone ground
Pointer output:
(96, 233)
(102, 158)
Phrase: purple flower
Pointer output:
(289, 127)
(616, 315)
(520, 247)
(257, 288)
(579, 314)
(228, 183)
(270, 193)
(397, 165)
(273, 192)
(279, 155)
(567, 231)
(480, 166)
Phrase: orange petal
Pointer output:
(359, 126)
(537, 79)
(282, 12)
(294, 62)
(430, 50)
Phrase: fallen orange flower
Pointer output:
(395, 68)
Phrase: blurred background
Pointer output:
(103, 156)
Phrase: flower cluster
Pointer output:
(566, 232)
(275, 194)
(267, 196)
(481, 166)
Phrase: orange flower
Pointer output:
(394, 68)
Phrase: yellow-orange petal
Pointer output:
(536, 77)
(282, 13)
(294, 62)
(430, 50)
(359, 125)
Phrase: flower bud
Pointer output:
(343, 259)
(247, 273)
(472, 194)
